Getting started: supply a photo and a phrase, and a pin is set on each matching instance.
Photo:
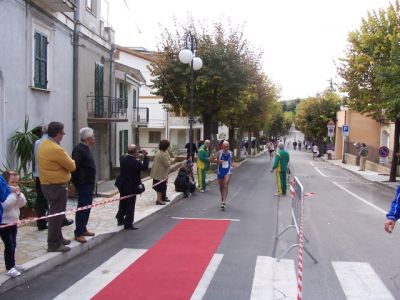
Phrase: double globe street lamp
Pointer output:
(188, 56)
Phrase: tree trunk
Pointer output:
(207, 127)
(249, 152)
(393, 167)
(232, 138)
(257, 143)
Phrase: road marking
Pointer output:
(319, 171)
(89, 285)
(360, 281)
(274, 280)
(208, 219)
(208, 275)
(359, 198)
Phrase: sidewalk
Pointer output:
(31, 249)
(378, 178)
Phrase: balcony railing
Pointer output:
(141, 116)
(107, 109)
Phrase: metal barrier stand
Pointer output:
(297, 195)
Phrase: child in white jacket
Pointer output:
(8, 234)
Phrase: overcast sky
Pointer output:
(301, 39)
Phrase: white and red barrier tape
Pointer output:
(301, 251)
(24, 222)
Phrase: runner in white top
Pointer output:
(224, 159)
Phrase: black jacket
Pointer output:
(129, 177)
(85, 172)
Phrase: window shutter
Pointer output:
(40, 61)
(125, 141)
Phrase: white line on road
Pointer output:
(274, 280)
(319, 171)
(208, 275)
(359, 198)
(92, 283)
(360, 281)
(209, 219)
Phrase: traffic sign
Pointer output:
(345, 130)
(331, 131)
(383, 151)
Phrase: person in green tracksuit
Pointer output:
(202, 165)
(281, 166)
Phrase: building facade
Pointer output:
(36, 68)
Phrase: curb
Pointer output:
(362, 177)
(49, 261)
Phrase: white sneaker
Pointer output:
(20, 268)
(13, 273)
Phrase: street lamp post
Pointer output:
(345, 108)
(188, 56)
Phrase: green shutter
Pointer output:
(126, 141)
(40, 64)
(121, 150)
(125, 95)
(98, 90)
(123, 142)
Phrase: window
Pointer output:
(134, 98)
(154, 137)
(40, 60)
(123, 142)
(89, 5)
(123, 94)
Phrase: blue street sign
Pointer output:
(345, 130)
(383, 151)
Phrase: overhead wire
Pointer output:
(162, 75)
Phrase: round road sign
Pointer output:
(383, 151)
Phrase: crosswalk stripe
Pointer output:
(89, 286)
(360, 281)
(274, 280)
(208, 275)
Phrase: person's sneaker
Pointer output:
(277, 194)
(223, 205)
(81, 239)
(13, 273)
(61, 248)
(19, 268)
(88, 233)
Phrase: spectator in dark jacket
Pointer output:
(363, 156)
(127, 182)
(84, 178)
(183, 183)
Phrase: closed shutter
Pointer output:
(40, 64)
(98, 91)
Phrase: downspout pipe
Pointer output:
(112, 137)
(75, 75)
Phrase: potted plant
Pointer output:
(23, 142)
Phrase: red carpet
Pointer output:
(172, 268)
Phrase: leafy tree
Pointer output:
(218, 85)
(371, 70)
(314, 113)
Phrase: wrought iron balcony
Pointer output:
(107, 109)
(141, 116)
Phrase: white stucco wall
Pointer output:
(18, 98)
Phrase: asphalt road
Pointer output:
(343, 223)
